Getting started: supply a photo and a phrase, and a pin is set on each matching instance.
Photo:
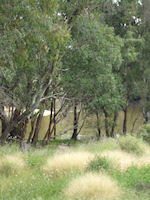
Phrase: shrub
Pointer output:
(68, 161)
(138, 178)
(145, 132)
(99, 163)
(93, 186)
(131, 144)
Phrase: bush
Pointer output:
(138, 178)
(131, 144)
(145, 133)
(99, 163)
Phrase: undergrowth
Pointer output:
(32, 182)
(99, 163)
(132, 144)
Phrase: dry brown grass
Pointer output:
(124, 160)
(68, 161)
(11, 164)
(145, 159)
(121, 159)
(93, 186)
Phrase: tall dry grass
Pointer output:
(93, 186)
(120, 159)
(124, 160)
(132, 144)
(12, 164)
(68, 161)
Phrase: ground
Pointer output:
(102, 170)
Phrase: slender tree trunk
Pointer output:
(75, 124)
(98, 125)
(49, 132)
(50, 124)
(106, 123)
(125, 120)
(54, 104)
(32, 129)
(114, 124)
(4, 124)
(37, 129)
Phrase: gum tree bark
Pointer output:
(49, 132)
(125, 120)
(37, 129)
(98, 125)
(75, 124)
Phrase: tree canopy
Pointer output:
(95, 53)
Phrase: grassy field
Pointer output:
(111, 169)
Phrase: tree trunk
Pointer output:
(54, 119)
(114, 124)
(49, 132)
(9, 129)
(4, 124)
(98, 125)
(6, 133)
(75, 124)
(32, 129)
(106, 123)
(24, 129)
(37, 129)
(125, 120)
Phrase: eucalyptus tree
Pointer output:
(89, 63)
(145, 59)
(33, 37)
(126, 19)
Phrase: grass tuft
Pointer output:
(132, 144)
(68, 161)
(12, 164)
(124, 160)
(93, 186)
(121, 159)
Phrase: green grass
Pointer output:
(33, 183)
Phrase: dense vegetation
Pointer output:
(85, 57)
(91, 56)
(87, 171)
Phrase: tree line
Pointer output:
(87, 54)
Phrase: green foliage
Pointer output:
(32, 40)
(145, 132)
(89, 64)
(138, 178)
(99, 163)
(131, 144)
